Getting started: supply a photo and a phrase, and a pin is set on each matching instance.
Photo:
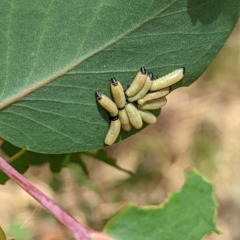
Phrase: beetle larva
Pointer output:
(118, 93)
(133, 115)
(125, 122)
(154, 104)
(154, 95)
(137, 83)
(147, 116)
(113, 132)
(144, 90)
(168, 79)
(107, 104)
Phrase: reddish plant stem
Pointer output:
(79, 231)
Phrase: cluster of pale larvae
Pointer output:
(131, 107)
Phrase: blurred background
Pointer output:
(199, 127)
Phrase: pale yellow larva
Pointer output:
(113, 132)
(154, 95)
(168, 79)
(147, 116)
(118, 93)
(133, 115)
(137, 83)
(144, 89)
(154, 104)
(125, 122)
(107, 104)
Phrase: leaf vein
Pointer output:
(44, 125)
(40, 42)
(56, 114)
(18, 130)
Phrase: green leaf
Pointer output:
(76, 158)
(56, 161)
(188, 214)
(56, 54)
(9, 149)
(22, 162)
(102, 156)
(20, 233)
(2, 235)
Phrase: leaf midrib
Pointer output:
(91, 54)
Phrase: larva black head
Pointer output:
(114, 81)
(170, 88)
(150, 75)
(135, 103)
(114, 118)
(98, 95)
(184, 70)
(121, 108)
(143, 70)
